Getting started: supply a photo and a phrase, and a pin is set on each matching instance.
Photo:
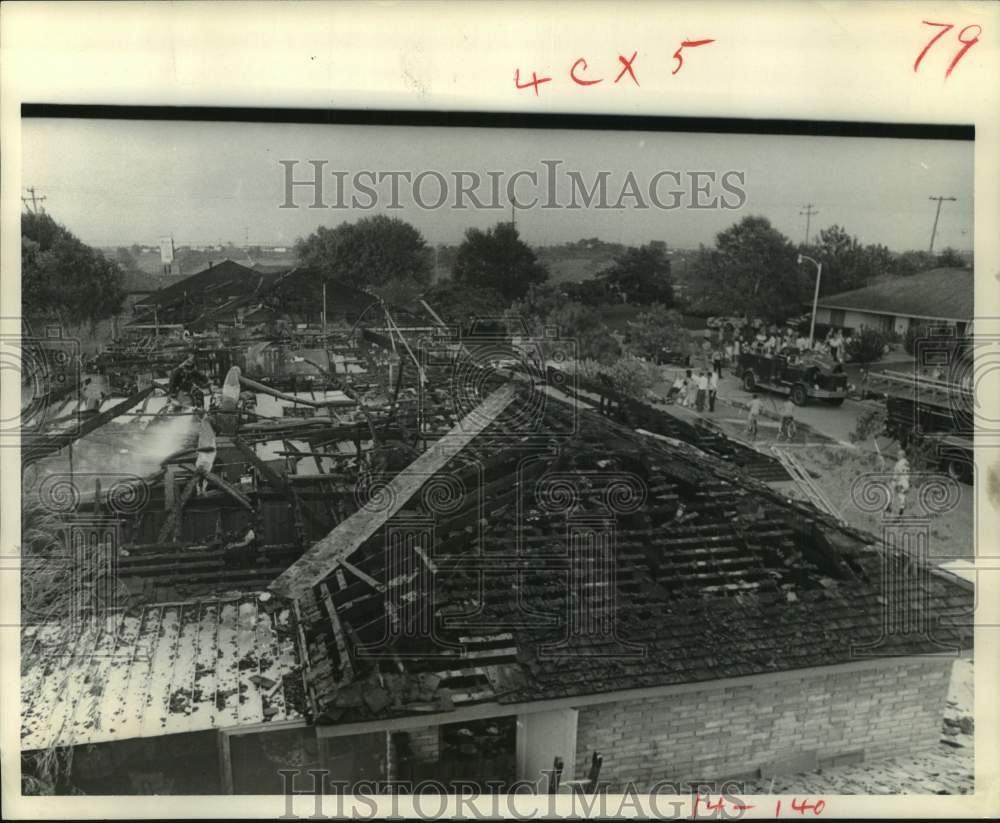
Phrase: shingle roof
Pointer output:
(945, 294)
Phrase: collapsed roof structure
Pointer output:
(488, 544)
(689, 572)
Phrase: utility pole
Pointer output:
(809, 213)
(35, 200)
(513, 217)
(937, 214)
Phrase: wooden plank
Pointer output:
(316, 404)
(307, 665)
(230, 489)
(346, 669)
(351, 533)
(371, 581)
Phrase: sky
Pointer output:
(118, 182)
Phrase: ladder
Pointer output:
(804, 481)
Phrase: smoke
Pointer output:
(115, 450)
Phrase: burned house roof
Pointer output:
(591, 559)
(161, 669)
(222, 287)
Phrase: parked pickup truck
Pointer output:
(924, 420)
(810, 377)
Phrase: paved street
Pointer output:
(829, 422)
(824, 448)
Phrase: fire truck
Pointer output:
(807, 377)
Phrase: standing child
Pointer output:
(787, 420)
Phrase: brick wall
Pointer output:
(732, 730)
(425, 743)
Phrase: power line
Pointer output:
(809, 213)
(35, 199)
(937, 214)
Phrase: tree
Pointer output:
(949, 258)
(127, 260)
(847, 265)
(867, 346)
(536, 307)
(499, 260)
(368, 253)
(589, 292)
(657, 331)
(751, 272)
(64, 278)
(641, 275)
(913, 262)
(584, 334)
(470, 309)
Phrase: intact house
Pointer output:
(539, 590)
(938, 297)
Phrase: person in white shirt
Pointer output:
(901, 481)
(756, 407)
(836, 341)
(713, 390)
(699, 401)
(802, 343)
(676, 390)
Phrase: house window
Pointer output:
(886, 323)
(837, 317)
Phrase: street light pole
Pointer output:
(819, 275)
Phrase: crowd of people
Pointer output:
(784, 341)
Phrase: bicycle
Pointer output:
(788, 429)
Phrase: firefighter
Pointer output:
(243, 552)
